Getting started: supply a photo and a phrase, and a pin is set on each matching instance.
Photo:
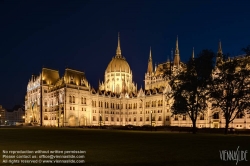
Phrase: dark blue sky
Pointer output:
(83, 35)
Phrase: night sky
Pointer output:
(82, 35)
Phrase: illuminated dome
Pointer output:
(118, 76)
(118, 64)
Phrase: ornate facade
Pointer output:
(70, 100)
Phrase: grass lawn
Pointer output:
(115, 147)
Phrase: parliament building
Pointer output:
(69, 100)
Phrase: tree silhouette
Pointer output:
(247, 50)
(229, 88)
(189, 87)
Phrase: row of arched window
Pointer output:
(72, 100)
(154, 103)
(53, 117)
(51, 102)
(126, 119)
(131, 106)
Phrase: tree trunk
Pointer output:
(194, 126)
(226, 126)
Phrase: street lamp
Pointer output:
(100, 120)
(58, 116)
(151, 120)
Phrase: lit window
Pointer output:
(240, 116)
(159, 118)
(167, 118)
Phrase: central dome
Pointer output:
(118, 75)
(118, 64)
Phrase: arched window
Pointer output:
(240, 115)
(84, 100)
(81, 100)
(45, 117)
(216, 115)
(73, 99)
(159, 118)
(70, 99)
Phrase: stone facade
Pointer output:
(69, 100)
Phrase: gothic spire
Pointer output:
(150, 54)
(118, 50)
(193, 53)
(177, 46)
(177, 54)
(219, 48)
(219, 57)
(150, 62)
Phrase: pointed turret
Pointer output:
(219, 57)
(150, 63)
(176, 47)
(193, 53)
(118, 50)
(177, 55)
(172, 55)
(219, 48)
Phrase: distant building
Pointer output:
(2, 115)
(14, 115)
(69, 100)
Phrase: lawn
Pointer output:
(117, 147)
